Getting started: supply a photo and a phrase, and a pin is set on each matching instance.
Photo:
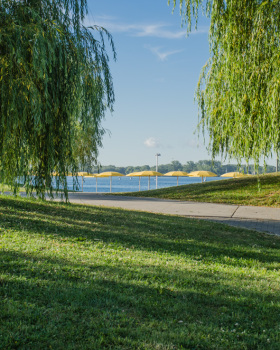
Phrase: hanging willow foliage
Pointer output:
(55, 85)
(239, 88)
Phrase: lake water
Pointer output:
(131, 184)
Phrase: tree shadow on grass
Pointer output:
(54, 303)
(191, 239)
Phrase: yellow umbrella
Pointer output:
(233, 174)
(57, 174)
(149, 173)
(176, 173)
(137, 173)
(202, 174)
(109, 174)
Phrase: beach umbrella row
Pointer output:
(201, 173)
(106, 174)
(148, 173)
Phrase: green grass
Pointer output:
(7, 188)
(242, 191)
(81, 277)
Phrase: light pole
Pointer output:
(157, 155)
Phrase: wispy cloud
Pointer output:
(157, 30)
(151, 142)
(162, 55)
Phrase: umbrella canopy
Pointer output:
(202, 174)
(57, 174)
(109, 174)
(176, 173)
(80, 173)
(149, 173)
(136, 173)
(233, 174)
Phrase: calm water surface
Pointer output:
(131, 184)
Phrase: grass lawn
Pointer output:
(242, 191)
(81, 277)
(6, 188)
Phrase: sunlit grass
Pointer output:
(7, 188)
(258, 191)
(81, 277)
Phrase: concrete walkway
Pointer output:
(260, 219)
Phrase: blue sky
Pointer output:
(155, 78)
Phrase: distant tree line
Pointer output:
(216, 167)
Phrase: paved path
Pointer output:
(261, 219)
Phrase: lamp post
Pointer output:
(157, 155)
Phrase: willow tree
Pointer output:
(239, 88)
(55, 85)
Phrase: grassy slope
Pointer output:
(80, 277)
(243, 191)
(6, 188)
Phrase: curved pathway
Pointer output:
(260, 219)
